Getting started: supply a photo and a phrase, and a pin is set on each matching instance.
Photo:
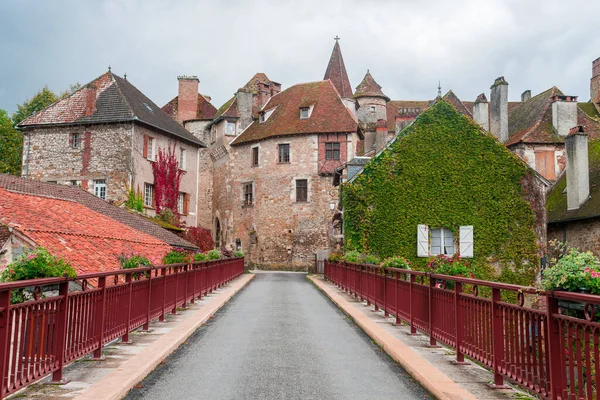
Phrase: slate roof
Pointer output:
(369, 88)
(557, 196)
(329, 114)
(336, 72)
(81, 196)
(92, 242)
(117, 100)
(205, 110)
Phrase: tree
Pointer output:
(11, 145)
(41, 100)
(167, 177)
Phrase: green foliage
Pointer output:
(134, 261)
(135, 201)
(36, 264)
(37, 103)
(574, 272)
(335, 257)
(353, 256)
(396, 262)
(11, 146)
(444, 171)
(200, 257)
(214, 254)
(166, 215)
(176, 257)
(372, 259)
(238, 253)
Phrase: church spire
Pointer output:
(336, 72)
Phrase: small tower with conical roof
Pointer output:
(372, 110)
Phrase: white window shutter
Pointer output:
(422, 241)
(465, 245)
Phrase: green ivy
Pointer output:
(445, 171)
(135, 201)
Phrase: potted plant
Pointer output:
(453, 266)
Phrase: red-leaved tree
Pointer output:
(167, 177)
(199, 236)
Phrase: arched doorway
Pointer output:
(217, 233)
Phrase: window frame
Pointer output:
(304, 190)
(372, 109)
(182, 158)
(281, 160)
(180, 201)
(255, 156)
(227, 125)
(331, 150)
(445, 233)
(75, 140)
(304, 110)
(100, 188)
(248, 194)
(148, 204)
(151, 149)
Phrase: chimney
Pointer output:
(381, 135)
(187, 102)
(525, 96)
(595, 81)
(244, 107)
(564, 114)
(90, 99)
(578, 175)
(264, 94)
(481, 111)
(499, 109)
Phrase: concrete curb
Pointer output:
(118, 383)
(432, 379)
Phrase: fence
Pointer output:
(40, 336)
(543, 351)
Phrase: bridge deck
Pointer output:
(279, 338)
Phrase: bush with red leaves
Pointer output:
(201, 237)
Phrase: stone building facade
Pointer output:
(105, 138)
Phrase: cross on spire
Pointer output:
(336, 38)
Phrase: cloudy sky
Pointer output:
(408, 45)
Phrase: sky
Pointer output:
(407, 45)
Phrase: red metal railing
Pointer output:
(40, 336)
(543, 351)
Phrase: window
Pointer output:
(180, 202)
(255, 156)
(441, 241)
(261, 117)
(248, 194)
(74, 183)
(372, 109)
(148, 195)
(304, 113)
(100, 188)
(284, 153)
(230, 128)
(301, 190)
(332, 151)
(75, 139)
(182, 158)
(149, 149)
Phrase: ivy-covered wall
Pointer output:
(445, 171)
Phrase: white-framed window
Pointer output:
(440, 240)
(148, 194)
(304, 112)
(100, 188)
(75, 139)
(180, 200)
(284, 153)
(182, 158)
(372, 109)
(229, 128)
(151, 149)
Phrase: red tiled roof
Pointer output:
(369, 88)
(259, 77)
(395, 107)
(336, 72)
(117, 100)
(4, 234)
(91, 241)
(458, 104)
(329, 114)
(205, 109)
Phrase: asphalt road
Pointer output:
(279, 338)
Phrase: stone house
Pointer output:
(105, 137)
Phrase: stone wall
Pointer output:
(199, 129)
(583, 234)
(104, 152)
(366, 116)
(547, 159)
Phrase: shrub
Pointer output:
(396, 262)
(133, 261)
(452, 266)
(176, 257)
(574, 272)
(200, 237)
(353, 256)
(200, 257)
(135, 201)
(238, 253)
(372, 259)
(335, 257)
(167, 216)
(214, 254)
(36, 264)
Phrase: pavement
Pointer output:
(433, 368)
(280, 338)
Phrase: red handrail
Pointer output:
(554, 355)
(39, 337)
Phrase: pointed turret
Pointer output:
(336, 72)
(369, 88)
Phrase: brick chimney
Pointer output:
(90, 99)
(595, 81)
(564, 114)
(264, 94)
(187, 102)
(526, 95)
(481, 111)
(499, 109)
(578, 178)
(381, 134)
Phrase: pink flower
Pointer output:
(31, 256)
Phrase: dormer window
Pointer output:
(261, 117)
(304, 112)
(264, 116)
(230, 128)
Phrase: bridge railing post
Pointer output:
(100, 317)
(61, 334)
(4, 339)
(149, 310)
(553, 349)
(432, 341)
(412, 301)
(497, 339)
(129, 281)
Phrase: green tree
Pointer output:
(37, 103)
(11, 144)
